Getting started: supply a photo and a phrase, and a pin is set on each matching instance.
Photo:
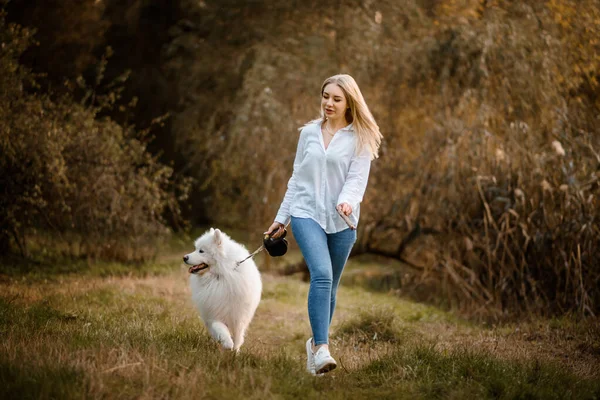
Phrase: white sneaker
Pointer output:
(310, 358)
(323, 361)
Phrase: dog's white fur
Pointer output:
(226, 295)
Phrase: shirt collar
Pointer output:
(348, 127)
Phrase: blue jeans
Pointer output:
(325, 254)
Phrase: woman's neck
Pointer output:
(336, 125)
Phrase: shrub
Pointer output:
(506, 165)
(67, 172)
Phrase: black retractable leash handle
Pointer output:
(276, 246)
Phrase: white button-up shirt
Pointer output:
(324, 178)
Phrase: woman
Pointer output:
(331, 170)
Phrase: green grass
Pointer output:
(54, 269)
(36, 381)
(130, 335)
(460, 374)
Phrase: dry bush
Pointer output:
(68, 174)
(507, 166)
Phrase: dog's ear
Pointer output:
(218, 237)
(212, 230)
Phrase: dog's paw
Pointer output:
(227, 343)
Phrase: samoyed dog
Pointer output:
(226, 294)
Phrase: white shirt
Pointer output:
(324, 178)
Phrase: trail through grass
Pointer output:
(137, 335)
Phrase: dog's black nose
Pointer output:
(185, 258)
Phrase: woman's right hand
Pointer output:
(276, 229)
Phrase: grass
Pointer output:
(125, 335)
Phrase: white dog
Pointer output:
(226, 294)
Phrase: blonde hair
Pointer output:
(358, 114)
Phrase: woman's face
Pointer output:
(334, 102)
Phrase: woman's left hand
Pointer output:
(345, 208)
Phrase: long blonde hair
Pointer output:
(358, 114)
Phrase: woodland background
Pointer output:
(122, 122)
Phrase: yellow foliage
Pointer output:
(455, 9)
(579, 23)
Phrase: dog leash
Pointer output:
(262, 247)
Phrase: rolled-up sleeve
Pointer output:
(356, 180)
(283, 215)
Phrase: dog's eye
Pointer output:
(200, 251)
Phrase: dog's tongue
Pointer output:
(195, 268)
